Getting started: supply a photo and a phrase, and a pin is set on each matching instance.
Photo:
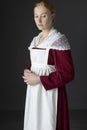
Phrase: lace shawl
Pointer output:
(54, 40)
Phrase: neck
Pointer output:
(45, 32)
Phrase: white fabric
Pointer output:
(54, 40)
(41, 105)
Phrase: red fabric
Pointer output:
(64, 74)
(29, 65)
(64, 69)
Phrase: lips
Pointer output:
(39, 24)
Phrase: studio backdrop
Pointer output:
(17, 31)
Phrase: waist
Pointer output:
(35, 65)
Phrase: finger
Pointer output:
(26, 73)
(26, 81)
(24, 77)
(27, 70)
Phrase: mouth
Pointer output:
(40, 25)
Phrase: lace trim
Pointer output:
(61, 44)
(55, 40)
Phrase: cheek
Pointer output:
(35, 21)
(48, 21)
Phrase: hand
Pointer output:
(26, 72)
(30, 78)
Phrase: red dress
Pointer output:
(63, 75)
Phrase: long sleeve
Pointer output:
(64, 70)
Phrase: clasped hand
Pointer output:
(30, 77)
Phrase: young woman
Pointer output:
(51, 68)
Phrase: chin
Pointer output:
(40, 28)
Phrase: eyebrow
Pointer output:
(42, 13)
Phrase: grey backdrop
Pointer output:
(17, 31)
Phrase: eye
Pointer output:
(36, 16)
(43, 16)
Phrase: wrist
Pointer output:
(38, 79)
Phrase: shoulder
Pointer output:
(61, 42)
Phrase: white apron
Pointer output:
(41, 105)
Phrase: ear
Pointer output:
(53, 17)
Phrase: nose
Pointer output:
(39, 19)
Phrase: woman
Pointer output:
(51, 68)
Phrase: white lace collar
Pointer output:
(54, 40)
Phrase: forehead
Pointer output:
(39, 9)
